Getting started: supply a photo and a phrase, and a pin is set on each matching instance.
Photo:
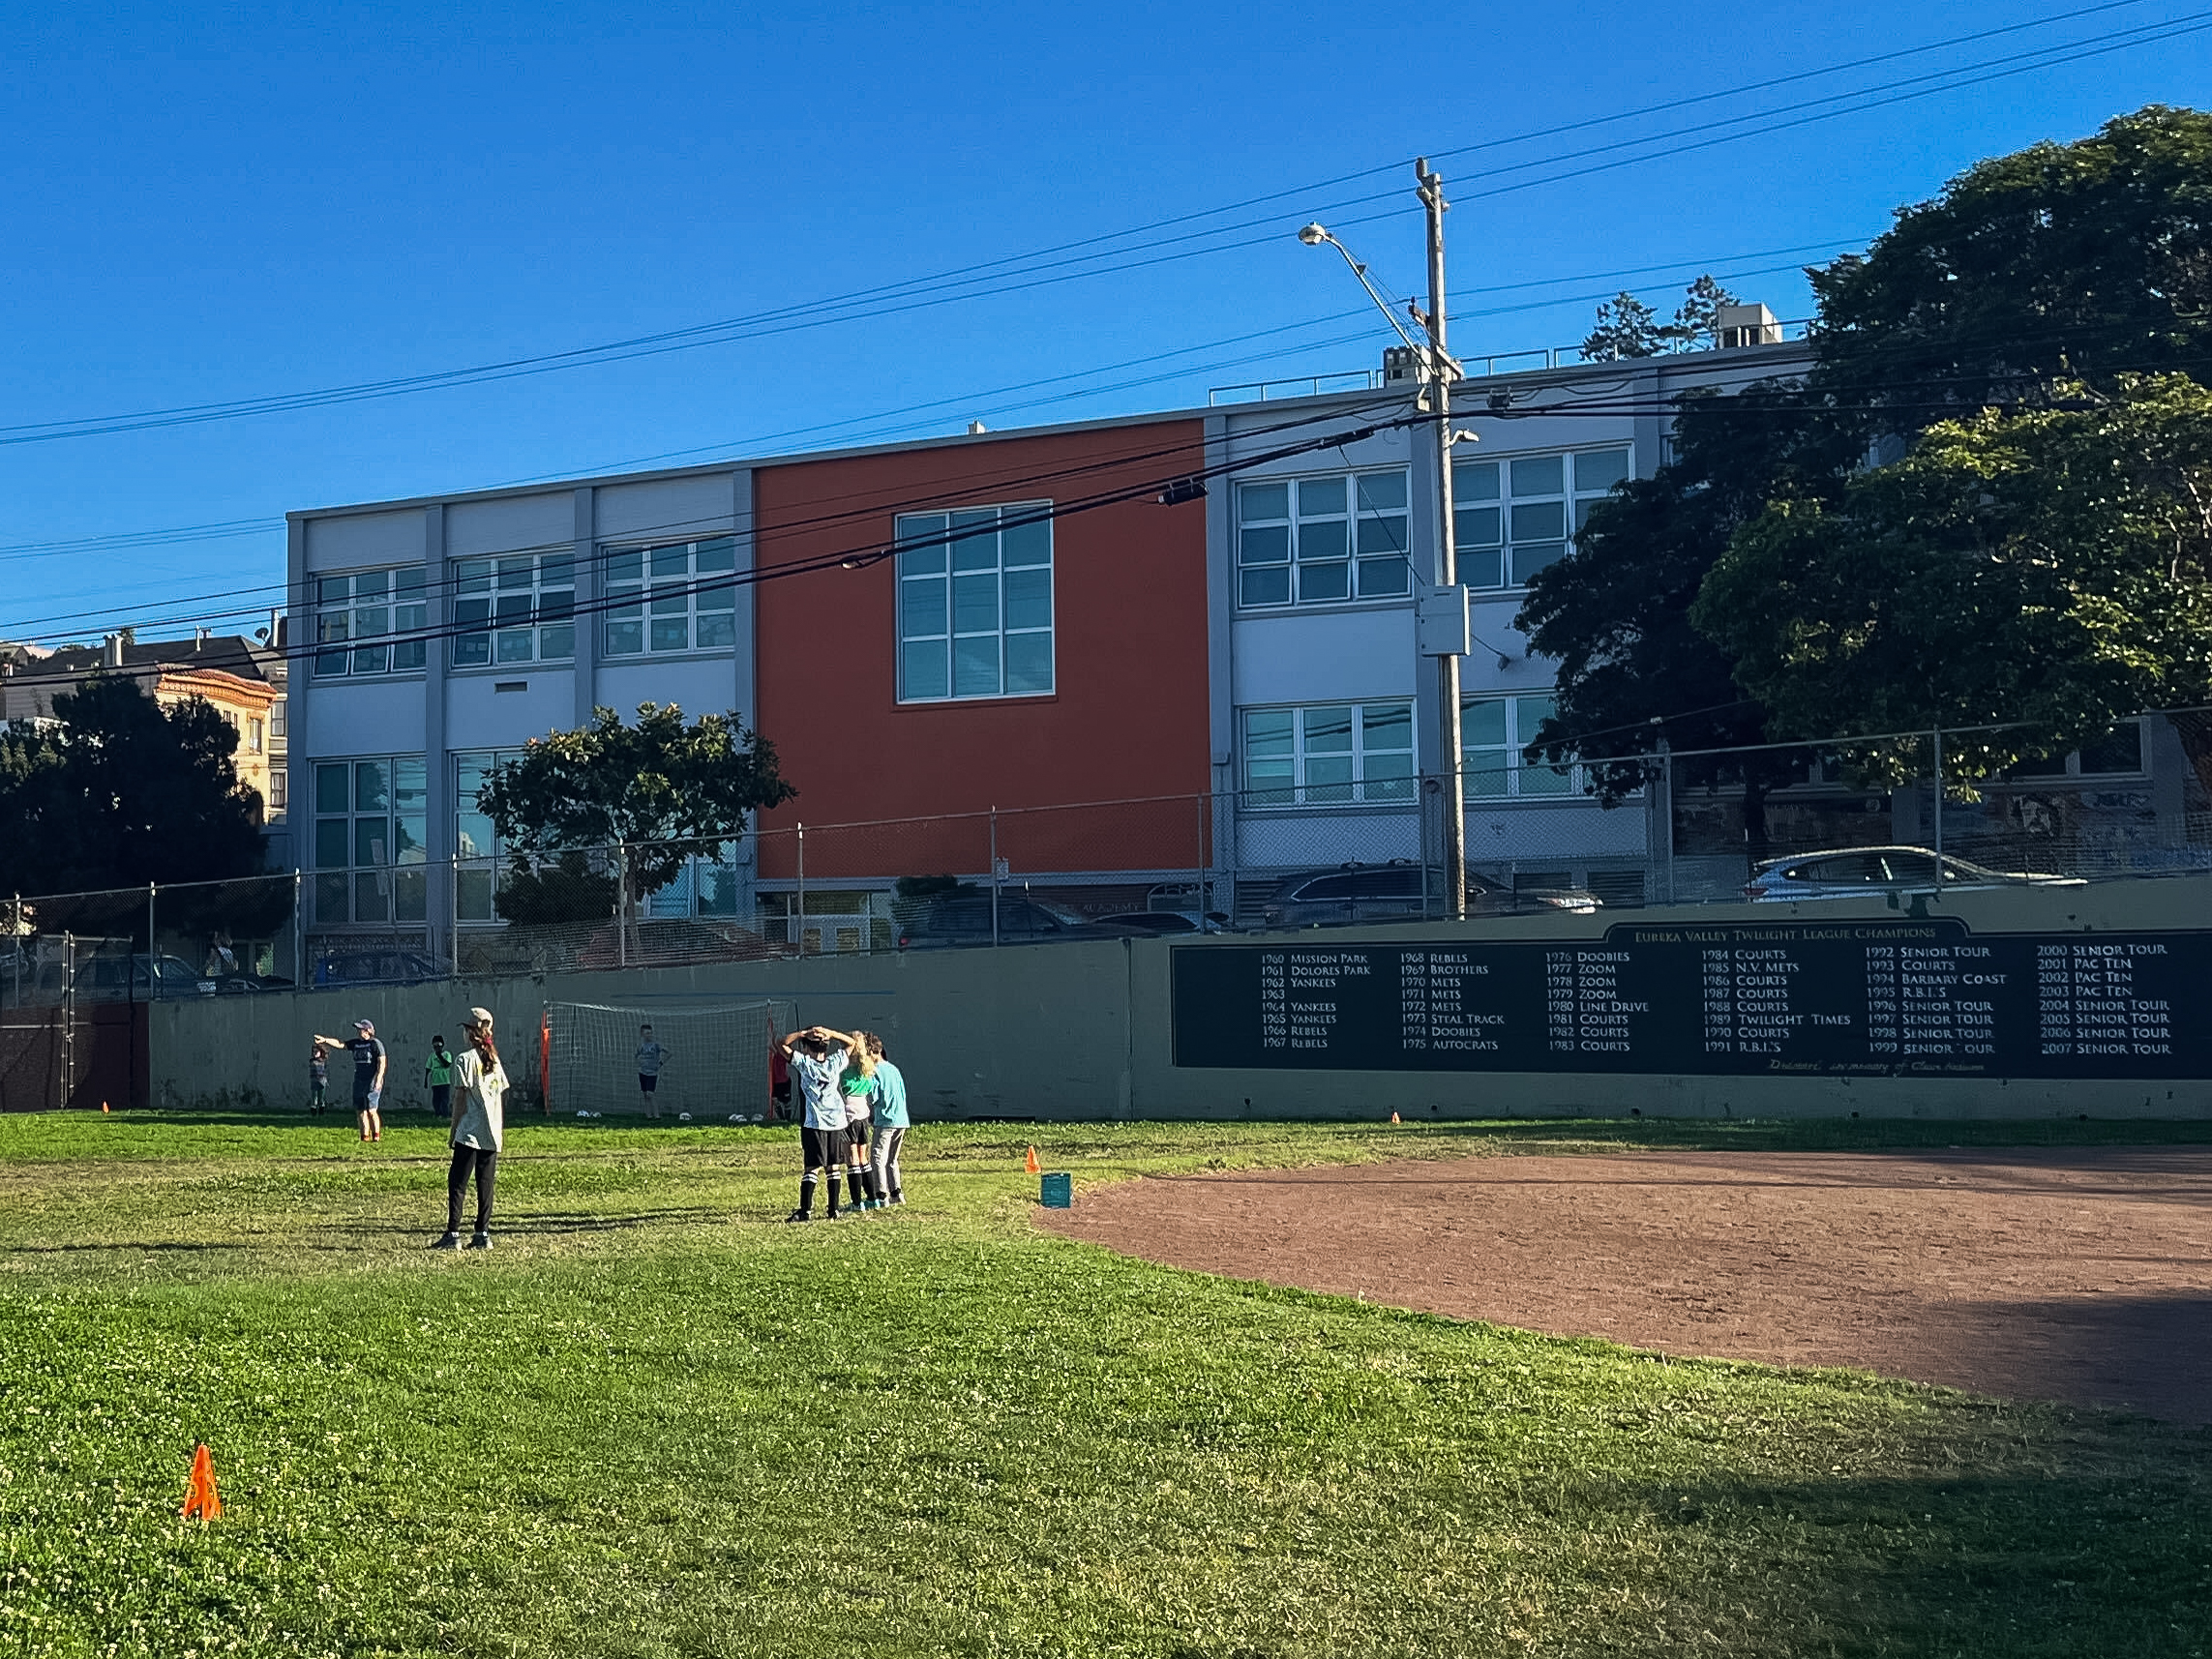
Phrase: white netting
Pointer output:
(714, 1058)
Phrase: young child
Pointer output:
(891, 1125)
(651, 1057)
(437, 1076)
(857, 1086)
(818, 1058)
(318, 1079)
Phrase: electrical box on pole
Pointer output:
(1440, 621)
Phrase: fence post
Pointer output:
(453, 912)
(1937, 737)
(16, 944)
(150, 950)
(799, 924)
(622, 905)
(299, 931)
(1205, 858)
(69, 1018)
(994, 877)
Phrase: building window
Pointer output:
(253, 740)
(276, 718)
(1328, 755)
(1317, 541)
(525, 603)
(2118, 753)
(357, 616)
(652, 604)
(976, 613)
(279, 786)
(474, 839)
(369, 836)
(1492, 733)
(1511, 517)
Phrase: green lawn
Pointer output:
(653, 1422)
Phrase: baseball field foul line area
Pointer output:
(653, 1421)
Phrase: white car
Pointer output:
(1856, 872)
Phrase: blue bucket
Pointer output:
(1057, 1192)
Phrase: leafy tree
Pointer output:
(2085, 260)
(122, 792)
(566, 889)
(1697, 319)
(663, 789)
(1616, 615)
(2053, 566)
(1625, 328)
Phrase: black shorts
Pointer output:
(647, 1082)
(857, 1136)
(823, 1148)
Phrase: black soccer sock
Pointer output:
(853, 1185)
(806, 1193)
(874, 1186)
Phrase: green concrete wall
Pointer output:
(1082, 1030)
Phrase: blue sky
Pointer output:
(219, 202)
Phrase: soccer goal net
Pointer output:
(712, 1060)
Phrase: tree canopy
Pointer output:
(2009, 340)
(121, 793)
(663, 789)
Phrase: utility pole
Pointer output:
(1440, 372)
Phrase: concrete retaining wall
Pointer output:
(1082, 1030)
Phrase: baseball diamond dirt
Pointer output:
(2074, 1275)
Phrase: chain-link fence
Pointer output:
(1775, 823)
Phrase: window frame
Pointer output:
(650, 600)
(1574, 782)
(398, 875)
(1355, 558)
(1361, 788)
(930, 551)
(482, 581)
(355, 640)
(1573, 499)
(2071, 769)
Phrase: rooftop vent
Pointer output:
(1746, 325)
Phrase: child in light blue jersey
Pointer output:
(891, 1125)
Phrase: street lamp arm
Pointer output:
(1313, 235)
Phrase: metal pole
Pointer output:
(1937, 737)
(299, 933)
(1454, 761)
(69, 1018)
(1666, 821)
(994, 876)
(798, 928)
(622, 906)
(16, 936)
(1204, 857)
(453, 910)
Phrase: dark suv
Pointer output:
(965, 919)
(1392, 892)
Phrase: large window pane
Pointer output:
(715, 556)
(974, 604)
(976, 666)
(1319, 496)
(1322, 539)
(1324, 581)
(976, 541)
(1023, 545)
(1540, 475)
(372, 841)
(669, 564)
(1029, 663)
(1379, 578)
(1539, 522)
(716, 628)
(1474, 481)
(1534, 558)
(1600, 470)
(333, 788)
(923, 669)
(922, 560)
(1385, 492)
(1029, 598)
(330, 900)
(410, 895)
(1265, 586)
(1257, 502)
(332, 850)
(1482, 722)
(372, 897)
(371, 787)
(1266, 545)
(921, 607)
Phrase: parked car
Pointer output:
(120, 979)
(388, 966)
(1392, 892)
(965, 919)
(1162, 924)
(1855, 872)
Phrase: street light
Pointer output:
(1449, 643)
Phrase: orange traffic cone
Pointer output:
(201, 1499)
(1393, 1118)
(1031, 1163)
(103, 1106)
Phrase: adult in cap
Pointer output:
(369, 1063)
(479, 1124)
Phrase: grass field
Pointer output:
(653, 1422)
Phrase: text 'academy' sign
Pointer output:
(1866, 999)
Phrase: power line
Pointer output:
(915, 293)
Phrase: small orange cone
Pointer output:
(1393, 1118)
(1031, 1163)
(103, 1106)
(201, 1499)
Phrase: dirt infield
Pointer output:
(2074, 1275)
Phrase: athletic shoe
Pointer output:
(447, 1242)
(797, 1216)
(481, 1241)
